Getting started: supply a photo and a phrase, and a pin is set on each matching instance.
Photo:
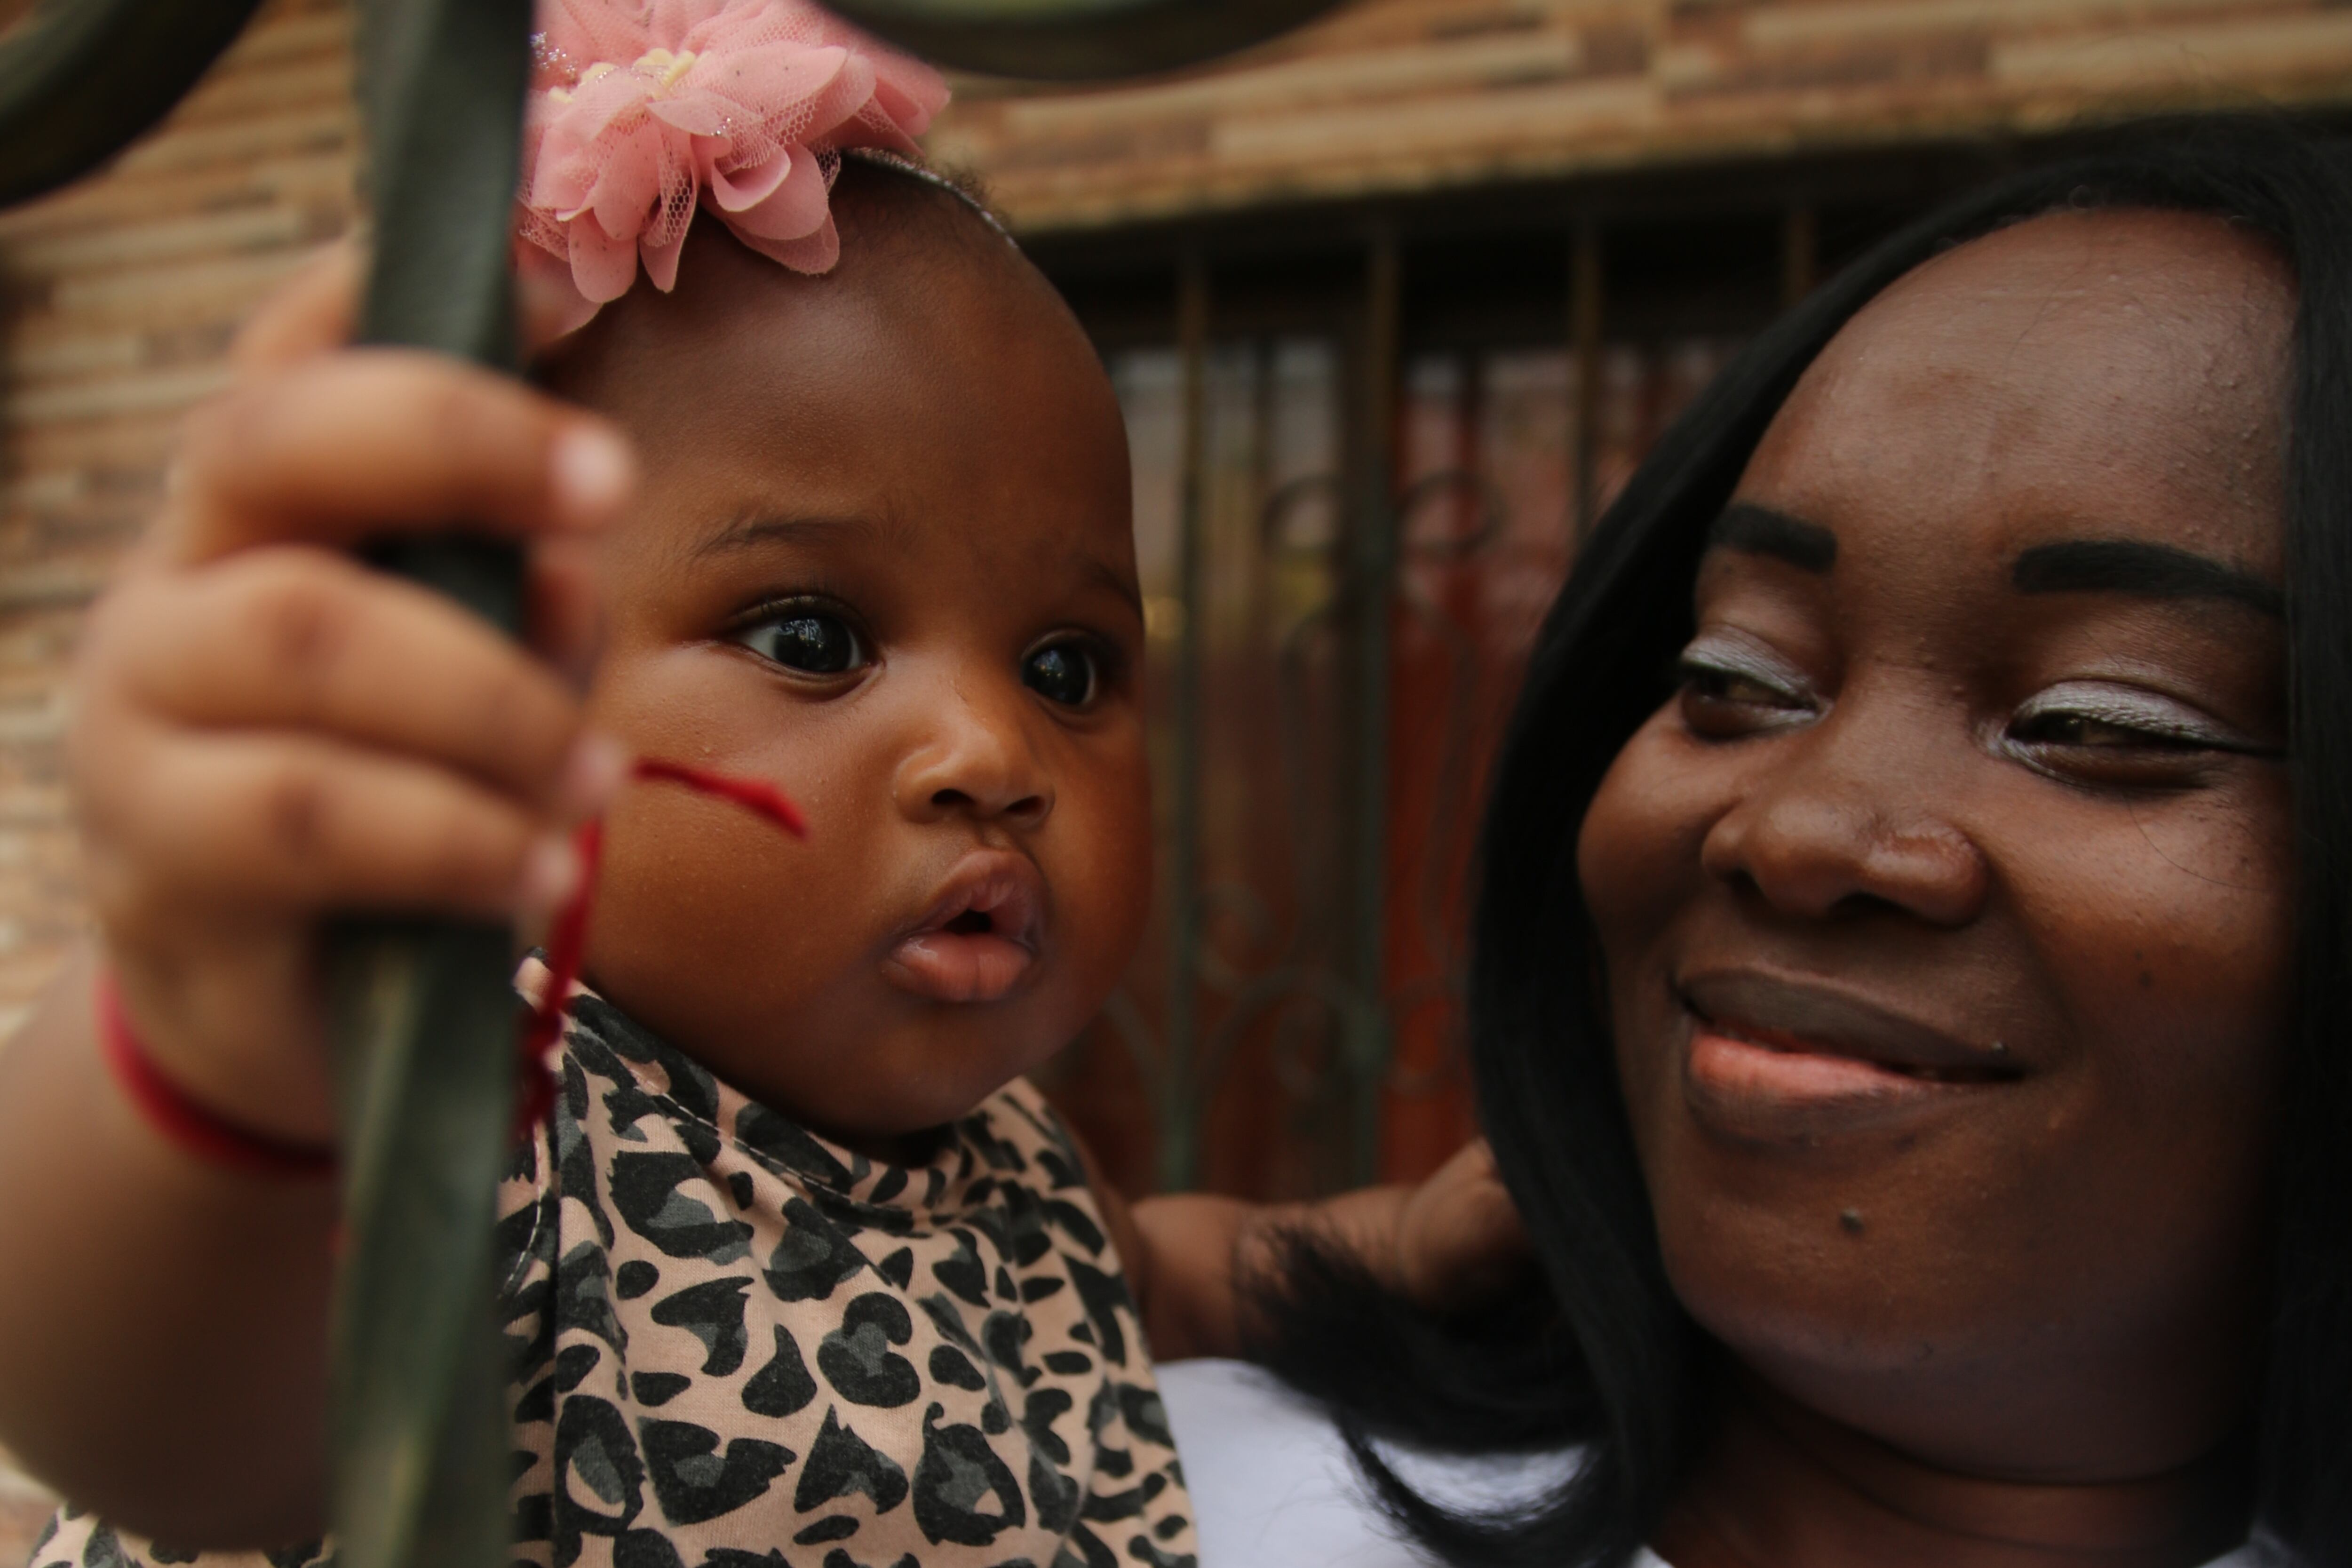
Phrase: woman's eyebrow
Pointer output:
(1760, 530)
(2136, 566)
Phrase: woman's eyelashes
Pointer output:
(806, 636)
(1732, 685)
(2106, 727)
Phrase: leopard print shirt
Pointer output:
(737, 1345)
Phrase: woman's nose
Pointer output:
(1842, 823)
(975, 757)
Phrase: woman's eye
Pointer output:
(1064, 672)
(1712, 685)
(2086, 730)
(807, 642)
(1729, 689)
(2106, 731)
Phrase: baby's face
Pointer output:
(882, 558)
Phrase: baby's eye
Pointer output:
(807, 641)
(1062, 672)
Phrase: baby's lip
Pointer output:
(980, 935)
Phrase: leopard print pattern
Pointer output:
(737, 1345)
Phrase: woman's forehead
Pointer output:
(2120, 372)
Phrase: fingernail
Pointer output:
(550, 875)
(593, 775)
(592, 471)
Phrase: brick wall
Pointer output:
(1404, 95)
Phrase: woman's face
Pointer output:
(1947, 909)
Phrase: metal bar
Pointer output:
(1372, 565)
(1077, 39)
(1180, 1133)
(1587, 283)
(425, 1053)
(1799, 239)
(81, 80)
(425, 1011)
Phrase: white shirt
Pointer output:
(1273, 1486)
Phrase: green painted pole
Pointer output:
(424, 1013)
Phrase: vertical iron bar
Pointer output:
(424, 1013)
(1180, 1134)
(1373, 562)
(1585, 303)
(1798, 263)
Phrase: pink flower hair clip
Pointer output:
(641, 111)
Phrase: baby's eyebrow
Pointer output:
(745, 532)
(1118, 582)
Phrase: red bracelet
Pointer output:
(194, 1128)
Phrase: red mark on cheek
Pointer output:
(567, 940)
(753, 795)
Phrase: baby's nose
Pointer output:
(1023, 811)
(977, 761)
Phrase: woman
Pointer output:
(1914, 1030)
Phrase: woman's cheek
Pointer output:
(1637, 853)
(2172, 934)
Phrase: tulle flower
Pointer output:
(641, 111)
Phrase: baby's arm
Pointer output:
(266, 734)
(1447, 1243)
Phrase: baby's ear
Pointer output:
(314, 312)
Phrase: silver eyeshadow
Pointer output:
(1750, 658)
(2132, 708)
(1743, 657)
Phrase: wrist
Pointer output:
(183, 1118)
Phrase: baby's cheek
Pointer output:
(1101, 875)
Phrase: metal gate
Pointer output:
(1366, 446)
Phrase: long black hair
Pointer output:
(1602, 1355)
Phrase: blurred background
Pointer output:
(1393, 305)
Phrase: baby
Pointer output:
(797, 1269)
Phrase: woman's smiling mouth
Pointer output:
(978, 938)
(1769, 1060)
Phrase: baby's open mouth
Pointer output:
(978, 938)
